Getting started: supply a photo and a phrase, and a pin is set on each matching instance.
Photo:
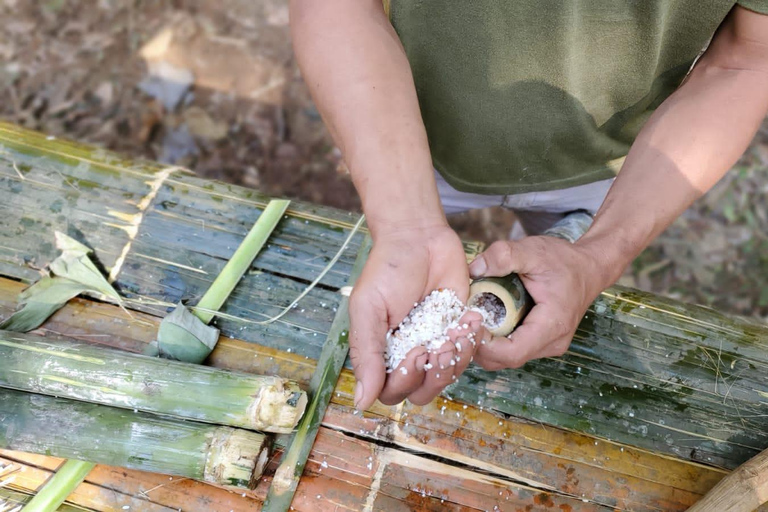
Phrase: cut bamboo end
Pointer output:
(506, 297)
(278, 408)
(131, 381)
(236, 458)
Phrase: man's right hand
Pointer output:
(358, 74)
(404, 266)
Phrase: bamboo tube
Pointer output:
(106, 435)
(506, 297)
(743, 490)
(122, 379)
(127, 489)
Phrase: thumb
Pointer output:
(368, 329)
(502, 258)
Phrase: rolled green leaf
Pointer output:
(71, 274)
(59, 486)
(106, 435)
(184, 337)
(107, 376)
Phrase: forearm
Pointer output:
(361, 81)
(682, 151)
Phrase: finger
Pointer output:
(440, 373)
(464, 338)
(407, 377)
(368, 329)
(503, 258)
(540, 329)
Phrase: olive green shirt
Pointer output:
(521, 96)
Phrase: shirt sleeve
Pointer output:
(759, 6)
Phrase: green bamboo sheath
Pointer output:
(643, 370)
(121, 379)
(105, 435)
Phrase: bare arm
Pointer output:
(688, 144)
(359, 77)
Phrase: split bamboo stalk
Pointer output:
(132, 381)
(547, 457)
(321, 386)
(127, 489)
(106, 435)
(642, 370)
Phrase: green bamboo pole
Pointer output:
(107, 376)
(241, 261)
(63, 482)
(105, 435)
(321, 387)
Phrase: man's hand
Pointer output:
(404, 266)
(563, 280)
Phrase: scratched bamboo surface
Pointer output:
(664, 378)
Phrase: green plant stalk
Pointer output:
(105, 435)
(59, 486)
(239, 263)
(321, 387)
(13, 499)
(99, 374)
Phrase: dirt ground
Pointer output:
(213, 86)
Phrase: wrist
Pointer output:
(609, 254)
(396, 201)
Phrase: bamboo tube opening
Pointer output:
(502, 301)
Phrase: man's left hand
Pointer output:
(563, 280)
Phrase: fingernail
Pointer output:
(421, 361)
(478, 267)
(359, 390)
(445, 359)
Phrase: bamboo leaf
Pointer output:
(184, 337)
(71, 274)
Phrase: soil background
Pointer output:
(214, 86)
